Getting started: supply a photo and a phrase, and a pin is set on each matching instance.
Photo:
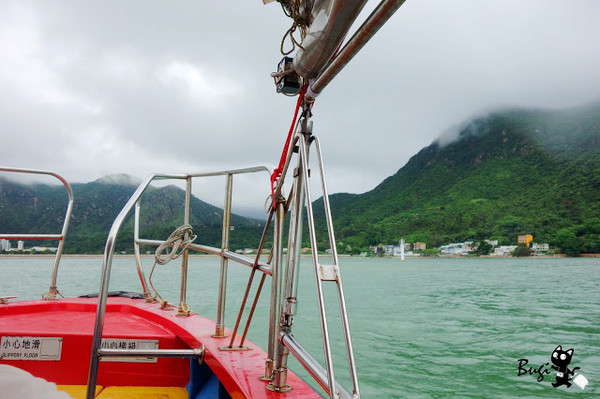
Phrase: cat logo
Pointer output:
(560, 361)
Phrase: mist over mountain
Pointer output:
(501, 175)
(119, 179)
(496, 177)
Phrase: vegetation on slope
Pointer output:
(506, 174)
(40, 209)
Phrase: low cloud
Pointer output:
(94, 88)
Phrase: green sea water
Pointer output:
(421, 328)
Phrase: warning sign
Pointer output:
(30, 348)
(50, 348)
(122, 343)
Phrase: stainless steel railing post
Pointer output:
(183, 309)
(288, 303)
(138, 256)
(220, 322)
(295, 235)
(275, 304)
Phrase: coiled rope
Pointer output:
(181, 238)
(176, 240)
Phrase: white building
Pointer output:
(20, 245)
(391, 250)
(4, 245)
(504, 250)
(456, 249)
(44, 249)
(395, 250)
(539, 247)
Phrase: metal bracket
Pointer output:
(235, 348)
(4, 299)
(329, 272)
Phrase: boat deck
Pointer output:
(79, 392)
(68, 324)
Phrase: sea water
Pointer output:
(421, 328)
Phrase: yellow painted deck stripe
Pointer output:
(143, 393)
(77, 391)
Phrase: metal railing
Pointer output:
(170, 353)
(284, 278)
(53, 290)
(223, 252)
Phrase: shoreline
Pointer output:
(99, 256)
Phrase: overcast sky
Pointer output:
(91, 88)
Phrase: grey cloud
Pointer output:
(93, 88)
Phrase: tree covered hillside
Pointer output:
(505, 174)
(40, 208)
(502, 175)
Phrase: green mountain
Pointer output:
(39, 208)
(505, 174)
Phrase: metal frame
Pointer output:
(301, 194)
(53, 290)
(283, 285)
(283, 305)
(299, 198)
(134, 202)
(363, 34)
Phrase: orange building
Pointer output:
(419, 246)
(525, 239)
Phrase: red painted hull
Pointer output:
(73, 321)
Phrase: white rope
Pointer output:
(176, 240)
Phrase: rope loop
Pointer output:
(51, 295)
(290, 33)
(300, 12)
(176, 240)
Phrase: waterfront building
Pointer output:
(419, 246)
(540, 249)
(456, 249)
(504, 250)
(4, 245)
(525, 239)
